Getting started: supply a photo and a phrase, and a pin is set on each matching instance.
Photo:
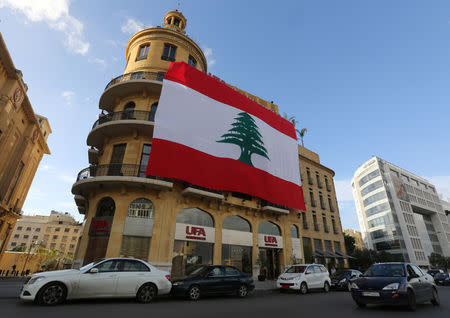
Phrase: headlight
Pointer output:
(393, 286)
(342, 281)
(177, 284)
(35, 279)
(354, 286)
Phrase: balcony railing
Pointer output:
(116, 169)
(136, 76)
(126, 115)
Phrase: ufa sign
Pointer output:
(189, 232)
(271, 241)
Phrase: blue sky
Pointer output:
(364, 77)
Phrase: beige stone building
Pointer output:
(173, 224)
(57, 232)
(359, 243)
(23, 143)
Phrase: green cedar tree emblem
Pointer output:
(245, 134)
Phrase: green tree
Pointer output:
(349, 242)
(245, 134)
(20, 248)
(435, 260)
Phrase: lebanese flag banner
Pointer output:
(210, 135)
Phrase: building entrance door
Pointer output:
(271, 268)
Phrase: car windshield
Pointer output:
(385, 270)
(296, 269)
(89, 265)
(442, 275)
(200, 271)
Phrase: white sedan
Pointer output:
(112, 277)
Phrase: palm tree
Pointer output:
(301, 133)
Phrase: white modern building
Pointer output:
(399, 212)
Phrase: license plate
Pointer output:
(285, 286)
(371, 294)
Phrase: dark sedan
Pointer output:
(442, 279)
(394, 284)
(213, 279)
(343, 278)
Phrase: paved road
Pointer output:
(274, 305)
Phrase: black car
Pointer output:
(433, 272)
(213, 279)
(343, 278)
(442, 279)
(394, 284)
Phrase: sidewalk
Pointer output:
(265, 287)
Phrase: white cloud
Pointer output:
(67, 178)
(343, 190)
(116, 43)
(98, 61)
(131, 26)
(67, 204)
(442, 184)
(68, 96)
(56, 14)
(209, 55)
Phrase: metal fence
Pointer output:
(136, 76)
(116, 169)
(128, 114)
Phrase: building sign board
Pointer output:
(233, 237)
(270, 241)
(189, 232)
(100, 226)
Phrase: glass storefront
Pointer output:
(237, 256)
(188, 255)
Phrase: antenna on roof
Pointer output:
(178, 5)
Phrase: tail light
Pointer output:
(168, 277)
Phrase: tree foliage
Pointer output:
(349, 242)
(439, 261)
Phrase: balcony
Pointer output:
(196, 190)
(319, 184)
(81, 203)
(328, 187)
(272, 207)
(128, 84)
(313, 203)
(310, 181)
(120, 124)
(117, 174)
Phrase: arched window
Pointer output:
(269, 228)
(128, 111)
(153, 111)
(236, 223)
(294, 231)
(195, 216)
(141, 208)
(106, 207)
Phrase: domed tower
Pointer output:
(116, 196)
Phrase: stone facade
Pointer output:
(170, 223)
(359, 243)
(23, 143)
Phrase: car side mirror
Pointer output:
(307, 273)
(93, 270)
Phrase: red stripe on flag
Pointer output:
(189, 76)
(172, 160)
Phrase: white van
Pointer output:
(304, 277)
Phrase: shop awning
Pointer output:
(318, 253)
(343, 255)
(331, 254)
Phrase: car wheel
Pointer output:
(360, 305)
(194, 293)
(349, 286)
(303, 288)
(435, 300)
(412, 305)
(242, 291)
(146, 293)
(326, 287)
(52, 294)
